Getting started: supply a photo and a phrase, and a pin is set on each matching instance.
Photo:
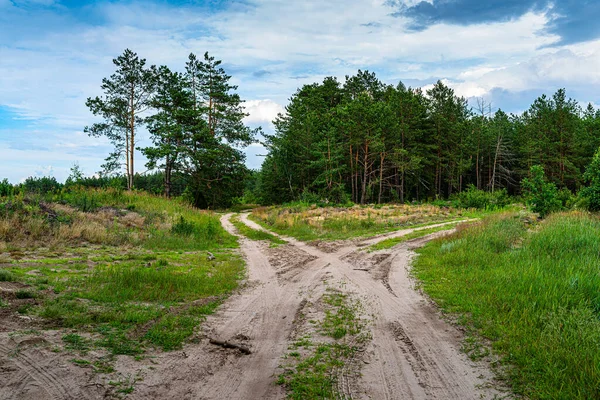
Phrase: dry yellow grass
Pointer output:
(312, 221)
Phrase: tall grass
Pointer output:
(111, 217)
(533, 290)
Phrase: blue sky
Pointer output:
(54, 54)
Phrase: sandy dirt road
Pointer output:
(413, 353)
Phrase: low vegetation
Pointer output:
(255, 234)
(530, 288)
(309, 222)
(315, 362)
(391, 242)
(119, 271)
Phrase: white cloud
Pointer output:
(262, 111)
(45, 78)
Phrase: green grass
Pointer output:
(130, 270)
(339, 223)
(6, 276)
(255, 234)
(132, 302)
(533, 291)
(314, 364)
(391, 242)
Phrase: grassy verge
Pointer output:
(118, 271)
(334, 223)
(316, 359)
(533, 291)
(391, 242)
(253, 233)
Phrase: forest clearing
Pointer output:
(135, 296)
(383, 201)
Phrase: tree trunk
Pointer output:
(363, 195)
(380, 177)
(131, 141)
(493, 182)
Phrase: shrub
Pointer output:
(592, 177)
(480, 199)
(6, 189)
(42, 185)
(541, 195)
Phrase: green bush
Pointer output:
(482, 200)
(42, 185)
(541, 195)
(6, 189)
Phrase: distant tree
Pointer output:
(76, 176)
(127, 95)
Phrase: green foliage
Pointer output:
(41, 185)
(6, 276)
(532, 293)
(127, 94)
(592, 177)
(6, 189)
(475, 198)
(541, 195)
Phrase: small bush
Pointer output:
(541, 195)
(482, 200)
(6, 276)
(6, 189)
(184, 228)
(24, 294)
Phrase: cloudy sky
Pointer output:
(54, 54)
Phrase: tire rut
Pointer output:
(42, 374)
(414, 353)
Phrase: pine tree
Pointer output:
(127, 94)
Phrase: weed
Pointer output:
(25, 294)
(76, 342)
(6, 276)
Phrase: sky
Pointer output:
(54, 54)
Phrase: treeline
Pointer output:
(366, 141)
(151, 183)
(195, 120)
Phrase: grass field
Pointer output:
(120, 271)
(533, 290)
(331, 223)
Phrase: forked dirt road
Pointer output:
(413, 354)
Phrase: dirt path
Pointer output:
(413, 353)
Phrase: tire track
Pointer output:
(414, 353)
(55, 388)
